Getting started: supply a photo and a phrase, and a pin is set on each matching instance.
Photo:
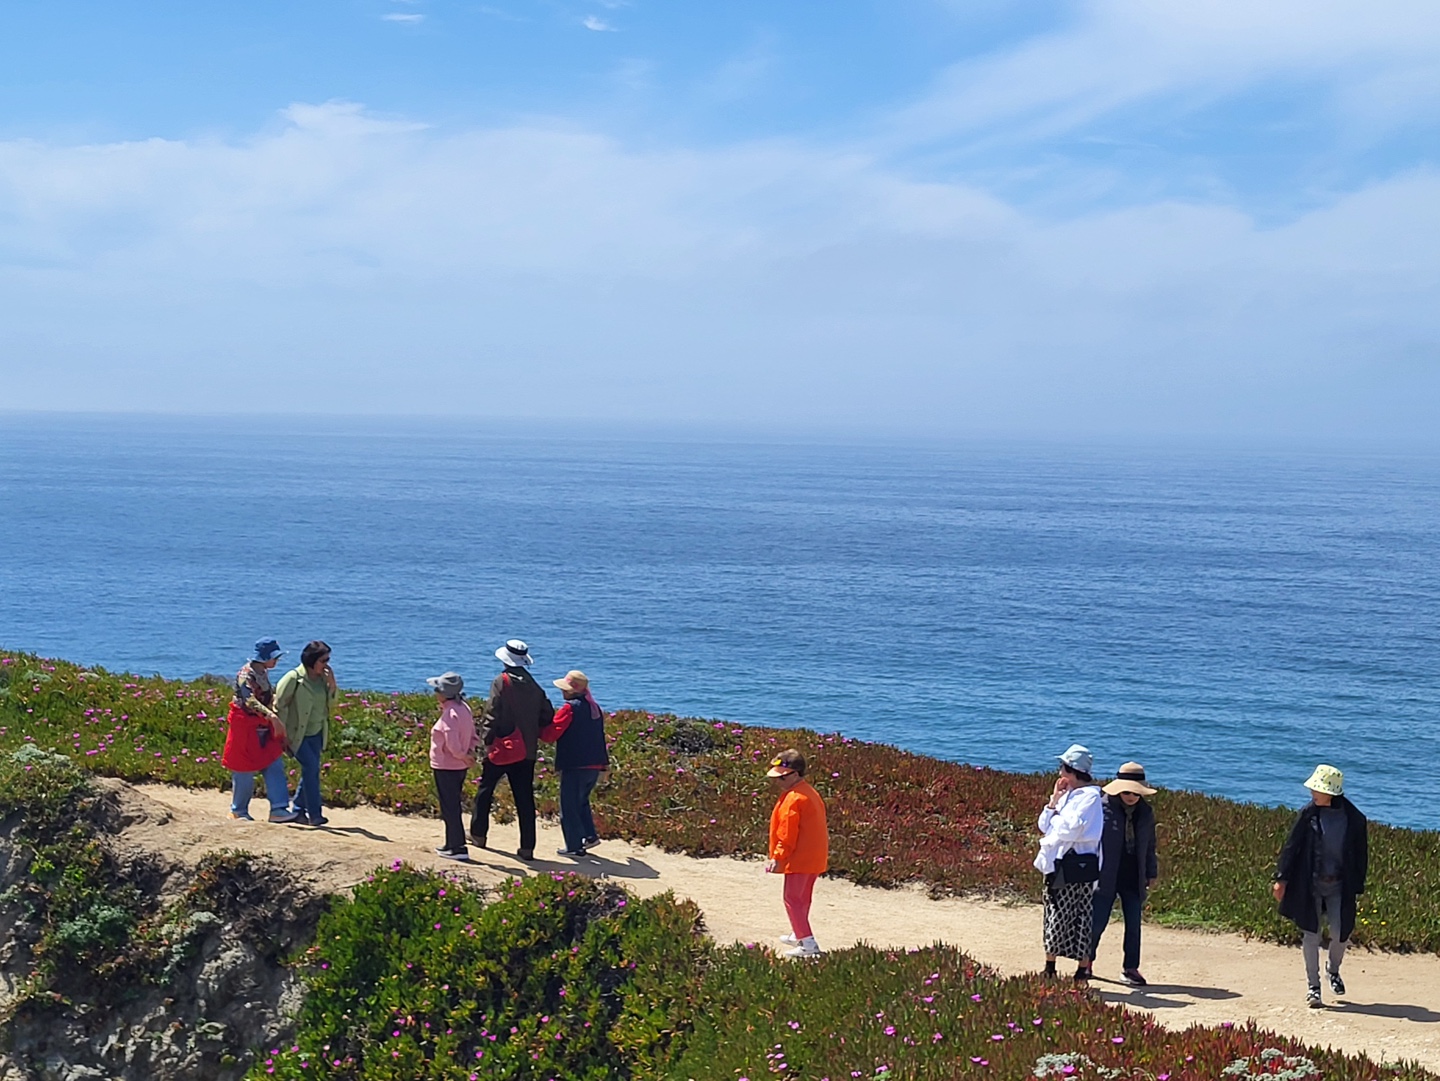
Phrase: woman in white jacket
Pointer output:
(1072, 822)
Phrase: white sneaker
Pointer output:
(787, 939)
(806, 948)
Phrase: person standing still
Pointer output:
(1071, 825)
(581, 757)
(304, 700)
(799, 847)
(517, 707)
(452, 753)
(1320, 873)
(1128, 867)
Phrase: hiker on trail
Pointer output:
(510, 731)
(799, 847)
(304, 700)
(255, 738)
(452, 753)
(1071, 825)
(581, 757)
(1320, 872)
(1128, 867)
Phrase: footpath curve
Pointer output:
(1392, 1010)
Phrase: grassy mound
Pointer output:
(698, 787)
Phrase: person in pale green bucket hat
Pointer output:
(1320, 873)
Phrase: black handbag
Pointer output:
(1077, 868)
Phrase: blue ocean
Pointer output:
(1228, 619)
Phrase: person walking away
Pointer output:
(1071, 825)
(799, 847)
(304, 699)
(452, 753)
(1128, 867)
(1320, 873)
(581, 757)
(255, 738)
(510, 731)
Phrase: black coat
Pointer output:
(1296, 867)
(1112, 847)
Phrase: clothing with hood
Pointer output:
(1299, 865)
(516, 703)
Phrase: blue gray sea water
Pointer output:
(1228, 619)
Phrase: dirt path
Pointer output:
(1392, 1011)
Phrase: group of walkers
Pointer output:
(292, 718)
(1098, 844)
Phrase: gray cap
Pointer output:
(1078, 758)
(450, 684)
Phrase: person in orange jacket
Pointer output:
(799, 847)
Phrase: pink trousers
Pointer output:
(798, 889)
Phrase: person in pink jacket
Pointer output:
(452, 753)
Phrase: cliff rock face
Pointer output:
(169, 971)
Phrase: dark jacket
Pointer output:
(516, 702)
(1112, 847)
(1296, 867)
(579, 734)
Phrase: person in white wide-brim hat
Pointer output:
(1320, 873)
(510, 731)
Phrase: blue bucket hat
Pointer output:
(267, 649)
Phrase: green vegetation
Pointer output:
(698, 787)
(418, 978)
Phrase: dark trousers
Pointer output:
(576, 822)
(307, 793)
(450, 787)
(1132, 902)
(522, 789)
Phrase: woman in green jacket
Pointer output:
(304, 699)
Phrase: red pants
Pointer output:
(798, 889)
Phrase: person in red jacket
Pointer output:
(255, 738)
(799, 847)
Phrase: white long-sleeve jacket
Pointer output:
(1076, 824)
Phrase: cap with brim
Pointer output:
(267, 649)
(1327, 779)
(1078, 758)
(1131, 778)
(779, 771)
(514, 654)
(451, 685)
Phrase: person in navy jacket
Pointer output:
(1128, 867)
(581, 758)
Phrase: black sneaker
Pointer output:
(477, 839)
(1083, 974)
(1050, 972)
(1336, 983)
(453, 854)
(526, 854)
(574, 854)
(1312, 998)
(590, 842)
(1134, 979)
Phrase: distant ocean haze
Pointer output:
(1228, 619)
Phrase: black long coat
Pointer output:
(1112, 847)
(1296, 867)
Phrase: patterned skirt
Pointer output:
(1068, 920)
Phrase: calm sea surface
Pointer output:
(1228, 620)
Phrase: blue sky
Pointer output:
(1112, 217)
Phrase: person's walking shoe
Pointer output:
(282, 815)
(453, 854)
(806, 947)
(787, 939)
(1336, 983)
(241, 816)
(526, 854)
(1133, 977)
(1312, 998)
(1083, 974)
(321, 820)
(590, 842)
(477, 838)
(573, 853)
(1050, 972)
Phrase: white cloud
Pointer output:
(403, 17)
(594, 22)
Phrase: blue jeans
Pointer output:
(576, 822)
(307, 792)
(1132, 902)
(277, 790)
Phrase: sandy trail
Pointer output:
(1392, 1010)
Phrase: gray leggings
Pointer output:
(1327, 910)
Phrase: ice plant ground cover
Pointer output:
(420, 977)
(698, 787)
